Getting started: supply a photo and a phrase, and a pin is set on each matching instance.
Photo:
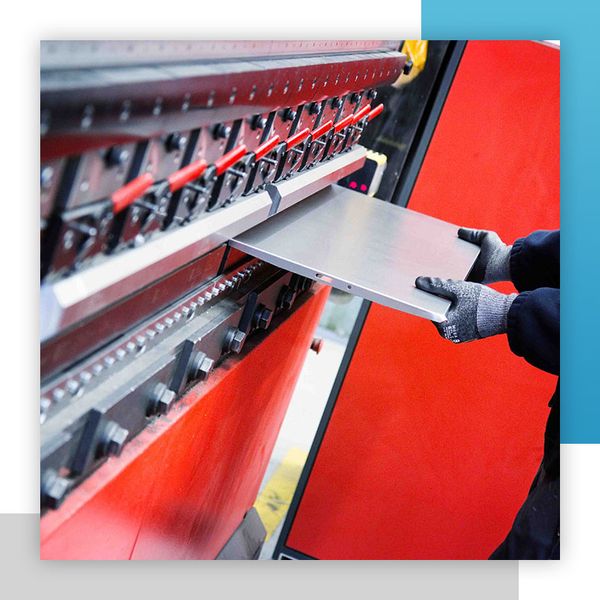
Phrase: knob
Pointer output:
(234, 340)
(258, 122)
(116, 156)
(201, 366)
(175, 142)
(161, 400)
(407, 68)
(289, 114)
(263, 317)
(113, 439)
(313, 108)
(54, 489)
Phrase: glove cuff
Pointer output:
(498, 265)
(492, 312)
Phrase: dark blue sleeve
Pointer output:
(533, 328)
(535, 261)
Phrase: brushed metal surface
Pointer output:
(364, 246)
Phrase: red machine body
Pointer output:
(181, 488)
(431, 447)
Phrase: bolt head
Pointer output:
(54, 489)
(204, 368)
(115, 438)
(264, 318)
(162, 400)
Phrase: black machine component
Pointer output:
(150, 161)
(91, 410)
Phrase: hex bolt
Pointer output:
(288, 297)
(234, 340)
(221, 131)
(113, 439)
(175, 142)
(263, 317)
(161, 400)
(201, 366)
(116, 156)
(54, 489)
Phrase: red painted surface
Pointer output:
(180, 488)
(432, 447)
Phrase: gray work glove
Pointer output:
(493, 262)
(476, 312)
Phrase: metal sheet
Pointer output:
(364, 246)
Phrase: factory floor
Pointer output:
(303, 417)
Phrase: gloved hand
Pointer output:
(493, 262)
(476, 312)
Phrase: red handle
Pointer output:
(266, 147)
(130, 192)
(229, 159)
(375, 112)
(297, 138)
(362, 113)
(343, 123)
(178, 179)
(319, 131)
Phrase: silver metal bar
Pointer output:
(364, 246)
(58, 54)
(68, 301)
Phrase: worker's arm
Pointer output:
(535, 261)
(533, 328)
(530, 319)
(531, 262)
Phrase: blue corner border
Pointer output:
(575, 24)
